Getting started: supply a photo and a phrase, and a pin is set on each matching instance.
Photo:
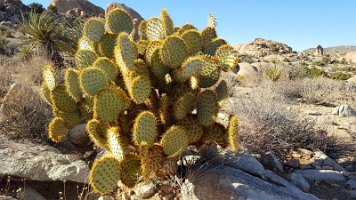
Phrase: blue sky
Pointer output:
(299, 23)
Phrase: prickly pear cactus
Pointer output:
(144, 102)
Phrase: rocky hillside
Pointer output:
(9, 9)
(77, 7)
(333, 50)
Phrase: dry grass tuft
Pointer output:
(268, 125)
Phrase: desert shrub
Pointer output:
(315, 72)
(26, 115)
(5, 80)
(273, 73)
(52, 8)
(3, 43)
(6, 32)
(267, 125)
(319, 63)
(47, 34)
(286, 60)
(25, 52)
(295, 72)
(340, 76)
(36, 7)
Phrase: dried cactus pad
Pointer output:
(130, 169)
(233, 131)
(104, 174)
(175, 141)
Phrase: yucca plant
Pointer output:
(273, 73)
(47, 34)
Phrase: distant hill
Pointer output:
(334, 50)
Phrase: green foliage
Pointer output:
(49, 35)
(340, 76)
(315, 72)
(137, 97)
(273, 73)
(36, 7)
(3, 42)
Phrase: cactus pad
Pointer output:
(97, 132)
(208, 34)
(140, 89)
(145, 129)
(49, 77)
(210, 73)
(174, 141)
(107, 44)
(107, 66)
(194, 129)
(173, 51)
(221, 91)
(190, 67)
(207, 107)
(167, 22)
(233, 133)
(193, 41)
(142, 30)
(86, 43)
(183, 106)
(118, 21)
(141, 47)
(62, 101)
(71, 81)
(151, 159)
(70, 119)
(213, 45)
(94, 29)
(92, 80)
(159, 70)
(130, 170)
(104, 174)
(154, 29)
(125, 53)
(186, 27)
(45, 93)
(57, 129)
(113, 140)
(84, 58)
(215, 134)
(227, 55)
(109, 103)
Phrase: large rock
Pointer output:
(246, 70)
(63, 6)
(12, 8)
(136, 17)
(231, 183)
(261, 47)
(39, 162)
(328, 176)
(344, 111)
(351, 57)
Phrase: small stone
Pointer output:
(305, 153)
(78, 135)
(299, 181)
(271, 160)
(351, 184)
(292, 163)
(165, 188)
(145, 190)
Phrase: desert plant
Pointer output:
(340, 76)
(52, 8)
(36, 7)
(47, 34)
(137, 98)
(273, 73)
(315, 72)
(3, 43)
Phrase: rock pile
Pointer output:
(261, 47)
(82, 8)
